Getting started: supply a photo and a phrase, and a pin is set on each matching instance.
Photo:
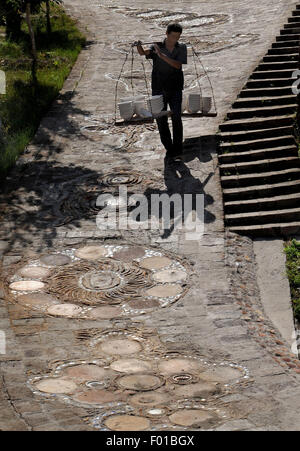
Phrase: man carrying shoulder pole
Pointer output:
(168, 80)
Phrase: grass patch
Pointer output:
(22, 108)
(292, 251)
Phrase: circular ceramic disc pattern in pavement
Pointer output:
(151, 398)
(105, 312)
(155, 262)
(27, 285)
(183, 378)
(70, 310)
(170, 276)
(86, 372)
(131, 366)
(115, 204)
(140, 382)
(155, 413)
(177, 365)
(192, 418)
(105, 281)
(138, 378)
(55, 260)
(224, 374)
(33, 272)
(100, 280)
(130, 254)
(37, 300)
(127, 423)
(120, 346)
(91, 252)
(56, 385)
(122, 177)
(96, 397)
(197, 390)
(86, 198)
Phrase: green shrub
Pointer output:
(23, 106)
(292, 251)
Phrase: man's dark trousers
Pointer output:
(174, 99)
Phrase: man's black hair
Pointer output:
(176, 27)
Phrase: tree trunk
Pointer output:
(33, 45)
(13, 25)
(48, 17)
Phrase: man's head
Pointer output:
(174, 31)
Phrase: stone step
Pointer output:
(265, 92)
(287, 31)
(269, 83)
(289, 57)
(257, 123)
(243, 113)
(281, 65)
(294, 19)
(263, 217)
(284, 50)
(269, 165)
(241, 146)
(232, 181)
(263, 101)
(283, 43)
(262, 204)
(259, 154)
(267, 74)
(287, 230)
(291, 24)
(265, 190)
(255, 134)
(288, 37)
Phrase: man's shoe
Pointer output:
(169, 159)
(176, 157)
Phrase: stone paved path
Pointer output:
(209, 355)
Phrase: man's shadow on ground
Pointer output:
(41, 180)
(179, 180)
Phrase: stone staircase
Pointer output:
(258, 155)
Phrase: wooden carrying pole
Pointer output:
(141, 120)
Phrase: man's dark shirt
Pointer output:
(164, 76)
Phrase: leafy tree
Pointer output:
(13, 10)
(57, 2)
(11, 14)
(28, 6)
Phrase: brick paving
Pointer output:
(220, 319)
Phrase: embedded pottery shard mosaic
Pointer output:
(78, 200)
(223, 42)
(135, 384)
(162, 18)
(97, 281)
